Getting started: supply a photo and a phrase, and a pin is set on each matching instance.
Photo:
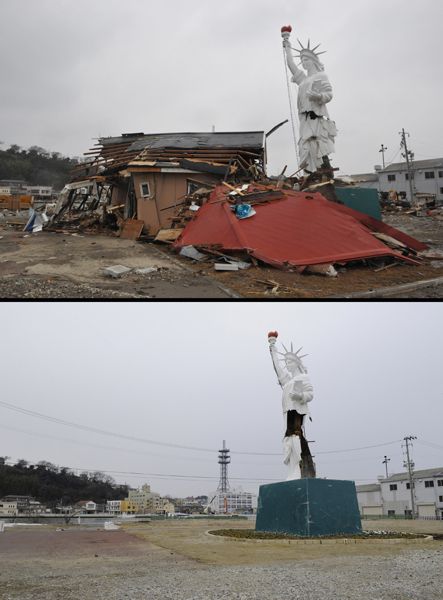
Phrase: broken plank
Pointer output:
(132, 229)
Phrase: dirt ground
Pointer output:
(70, 265)
(181, 560)
(191, 539)
(57, 265)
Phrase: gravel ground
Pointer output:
(118, 565)
(412, 576)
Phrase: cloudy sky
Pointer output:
(178, 376)
(73, 70)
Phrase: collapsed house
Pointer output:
(146, 177)
(289, 229)
(209, 192)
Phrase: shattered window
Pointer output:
(192, 187)
(145, 190)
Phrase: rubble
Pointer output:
(297, 230)
(116, 271)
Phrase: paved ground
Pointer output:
(179, 560)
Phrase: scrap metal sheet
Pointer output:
(301, 229)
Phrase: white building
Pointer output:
(114, 507)
(233, 502)
(8, 509)
(427, 178)
(392, 495)
(40, 191)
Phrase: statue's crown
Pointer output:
(308, 51)
(290, 354)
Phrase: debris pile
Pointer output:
(301, 231)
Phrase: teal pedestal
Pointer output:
(362, 199)
(309, 508)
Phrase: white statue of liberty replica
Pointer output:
(317, 131)
(297, 394)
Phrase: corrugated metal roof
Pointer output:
(422, 474)
(240, 139)
(300, 230)
(431, 163)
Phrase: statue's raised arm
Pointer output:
(317, 131)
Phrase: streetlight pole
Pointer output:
(385, 462)
(383, 150)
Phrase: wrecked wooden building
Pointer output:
(147, 176)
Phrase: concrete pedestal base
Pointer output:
(309, 507)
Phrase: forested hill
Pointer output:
(52, 485)
(36, 166)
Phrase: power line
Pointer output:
(166, 475)
(58, 421)
(100, 431)
(430, 444)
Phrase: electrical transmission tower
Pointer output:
(409, 464)
(223, 460)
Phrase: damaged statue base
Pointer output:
(309, 508)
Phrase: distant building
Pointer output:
(23, 503)
(8, 509)
(114, 507)
(143, 501)
(393, 180)
(87, 506)
(427, 178)
(233, 502)
(392, 495)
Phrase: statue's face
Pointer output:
(307, 62)
(292, 365)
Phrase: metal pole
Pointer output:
(385, 462)
(383, 150)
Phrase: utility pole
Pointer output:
(409, 156)
(383, 150)
(385, 462)
(410, 465)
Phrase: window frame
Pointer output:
(429, 174)
(429, 483)
(393, 487)
(392, 178)
(142, 194)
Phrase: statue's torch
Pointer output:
(286, 31)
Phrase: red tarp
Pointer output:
(301, 229)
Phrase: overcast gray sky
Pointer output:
(196, 374)
(73, 70)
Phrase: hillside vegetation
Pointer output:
(36, 166)
(54, 485)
